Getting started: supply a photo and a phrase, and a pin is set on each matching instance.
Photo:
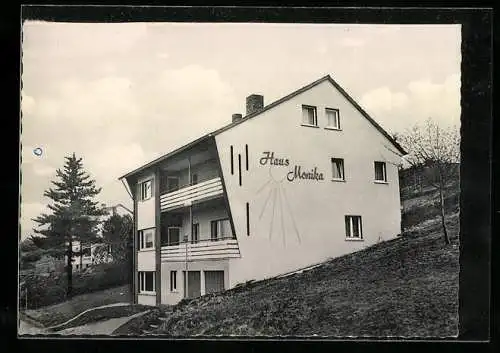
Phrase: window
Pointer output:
(194, 179)
(332, 116)
(309, 116)
(380, 172)
(219, 229)
(174, 235)
(147, 281)
(195, 235)
(146, 190)
(86, 252)
(173, 281)
(353, 227)
(172, 183)
(146, 239)
(338, 169)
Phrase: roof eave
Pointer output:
(166, 156)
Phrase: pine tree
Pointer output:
(75, 215)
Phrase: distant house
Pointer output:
(90, 255)
(306, 178)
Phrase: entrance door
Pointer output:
(193, 284)
(214, 281)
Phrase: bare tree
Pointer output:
(437, 151)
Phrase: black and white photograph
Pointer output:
(197, 179)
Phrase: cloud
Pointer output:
(43, 170)
(52, 40)
(382, 100)
(27, 103)
(28, 212)
(351, 42)
(115, 160)
(163, 55)
(421, 99)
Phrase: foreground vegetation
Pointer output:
(59, 313)
(405, 287)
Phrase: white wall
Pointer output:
(146, 209)
(318, 207)
(171, 298)
(147, 299)
(146, 260)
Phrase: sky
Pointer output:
(121, 94)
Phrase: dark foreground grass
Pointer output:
(103, 314)
(59, 313)
(407, 287)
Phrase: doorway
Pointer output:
(193, 284)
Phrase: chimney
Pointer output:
(255, 102)
(237, 117)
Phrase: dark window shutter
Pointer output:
(347, 227)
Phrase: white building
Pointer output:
(294, 183)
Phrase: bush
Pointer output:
(51, 288)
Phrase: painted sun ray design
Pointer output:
(272, 215)
(265, 203)
(280, 202)
(291, 214)
(263, 186)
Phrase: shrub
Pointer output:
(44, 290)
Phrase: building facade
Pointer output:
(304, 179)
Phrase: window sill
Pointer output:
(175, 291)
(332, 128)
(339, 180)
(354, 239)
(380, 182)
(149, 198)
(309, 125)
(147, 293)
(147, 250)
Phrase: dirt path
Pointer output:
(26, 328)
(105, 327)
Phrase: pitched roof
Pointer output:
(266, 108)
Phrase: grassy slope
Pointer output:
(406, 287)
(59, 313)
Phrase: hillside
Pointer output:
(405, 287)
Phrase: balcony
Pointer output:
(202, 191)
(202, 250)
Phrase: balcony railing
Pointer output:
(224, 248)
(191, 194)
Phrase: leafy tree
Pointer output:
(75, 214)
(436, 150)
(117, 233)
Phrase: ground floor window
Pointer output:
(147, 281)
(173, 281)
(353, 227)
(214, 281)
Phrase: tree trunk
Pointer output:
(81, 256)
(443, 223)
(69, 270)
